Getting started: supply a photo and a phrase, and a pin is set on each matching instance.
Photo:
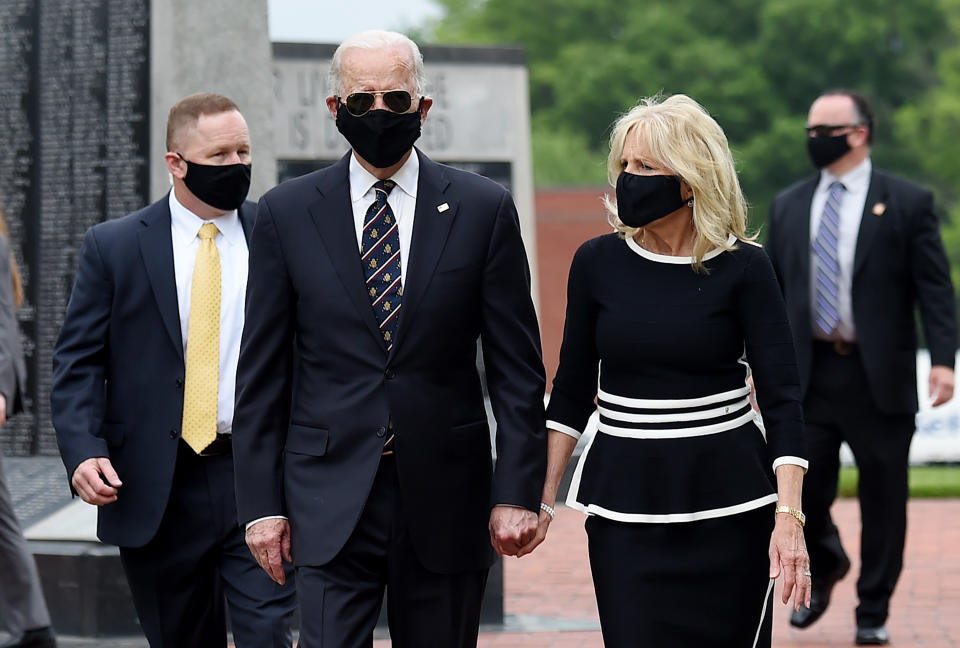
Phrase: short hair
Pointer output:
(861, 106)
(188, 110)
(685, 139)
(375, 39)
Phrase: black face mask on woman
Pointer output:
(824, 151)
(381, 137)
(642, 199)
(221, 186)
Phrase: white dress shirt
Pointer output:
(402, 200)
(232, 246)
(857, 182)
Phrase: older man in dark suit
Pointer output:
(143, 385)
(856, 251)
(361, 433)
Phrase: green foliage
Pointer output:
(925, 481)
(754, 64)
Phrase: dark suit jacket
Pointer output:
(316, 389)
(13, 372)
(899, 263)
(118, 367)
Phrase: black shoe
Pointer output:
(38, 638)
(872, 636)
(820, 592)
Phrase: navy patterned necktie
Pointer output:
(828, 263)
(380, 255)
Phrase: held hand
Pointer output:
(269, 542)
(753, 394)
(3, 409)
(941, 384)
(543, 523)
(96, 481)
(511, 528)
(788, 555)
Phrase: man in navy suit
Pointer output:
(144, 417)
(857, 252)
(361, 437)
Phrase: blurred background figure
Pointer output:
(685, 494)
(857, 251)
(23, 611)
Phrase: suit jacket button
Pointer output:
(174, 434)
(390, 373)
(179, 382)
(381, 432)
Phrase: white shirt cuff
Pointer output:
(565, 429)
(790, 461)
(267, 517)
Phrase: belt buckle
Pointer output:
(842, 347)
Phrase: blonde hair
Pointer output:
(684, 138)
(15, 280)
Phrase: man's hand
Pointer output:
(96, 481)
(3, 409)
(941, 384)
(511, 528)
(269, 542)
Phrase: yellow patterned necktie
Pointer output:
(203, 346)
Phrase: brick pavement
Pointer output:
(925, 612)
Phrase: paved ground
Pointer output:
(549, 595)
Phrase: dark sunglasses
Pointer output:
(359, 103)
(826, 130)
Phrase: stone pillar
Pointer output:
(220, 46)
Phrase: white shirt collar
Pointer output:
(185, 225)
(362, 180)
(855, 180)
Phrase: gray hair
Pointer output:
(375, 39)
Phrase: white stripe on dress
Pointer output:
(677, 433)
(668, 417)
(661, 518)
(672, 403)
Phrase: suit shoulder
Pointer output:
(473, 182)
(795, 189)
(296, 186)
(901, 186)
(126, 225)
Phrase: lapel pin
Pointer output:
(878, 209)
(444, 207)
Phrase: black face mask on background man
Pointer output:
(221, 186)
(642, 199)
(381, 137)
(824, 151)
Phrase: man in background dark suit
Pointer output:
(856, 251)
(361, 433)
(143, 385)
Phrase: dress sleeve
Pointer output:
(573, 398)
(772, 359)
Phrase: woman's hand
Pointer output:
(788, 555)
(542, 525)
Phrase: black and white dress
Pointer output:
(678, 479)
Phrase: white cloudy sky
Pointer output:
(330, 21)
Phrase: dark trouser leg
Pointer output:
(22, 606)
(174, 578)
(881, 449)
(819, 493)
(261, 611)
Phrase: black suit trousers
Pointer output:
(340, 601)
(198, 558)
(839, 407)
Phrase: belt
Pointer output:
(222, 445)
(840, 347)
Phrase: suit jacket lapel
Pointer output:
(332, 215)
(248, 216)
(431, 225)
(869, 222)
(156, 249)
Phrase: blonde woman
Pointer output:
(693, 511)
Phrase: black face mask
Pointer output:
(380, 137)
(642, 199)
(221, 186)
(824, 151)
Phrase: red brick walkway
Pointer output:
(554, 582)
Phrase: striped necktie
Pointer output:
(827, 262)
(380, 255)
(202, 378)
